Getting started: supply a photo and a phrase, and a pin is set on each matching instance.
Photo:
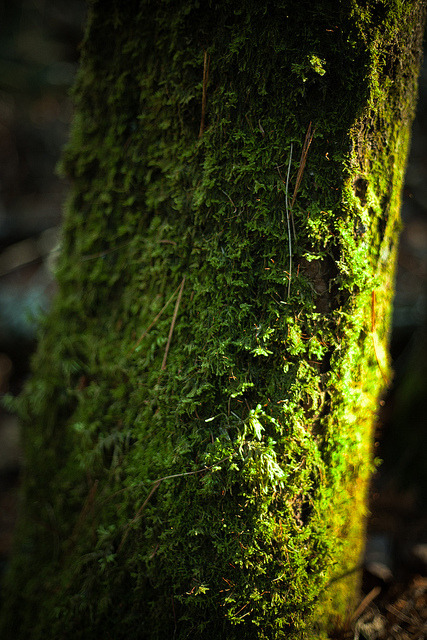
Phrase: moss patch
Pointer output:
(206, 384)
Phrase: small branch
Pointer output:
(86, 509)
(374, 341)
(138, 513)
(288, 215)
(141, 338)
(226, 194)
(192, 473)
(365, 603)
(101, 254)
(307, 142)
(206, 61)
(175, 313)
(154, 489)
(287, 219)
(385, 378)
(418, 624)
(373, 305)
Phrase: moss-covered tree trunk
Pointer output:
(198, 427)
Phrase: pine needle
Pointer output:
(141, 338)
(206, 61)
(175, 313)
(287, 219)
(307, 142)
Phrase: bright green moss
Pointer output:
(205, 463)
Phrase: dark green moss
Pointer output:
(203, 397)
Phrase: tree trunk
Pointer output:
(198, 426)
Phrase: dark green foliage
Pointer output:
(197, 463)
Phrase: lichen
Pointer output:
(203, 397)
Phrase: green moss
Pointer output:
(206, 427)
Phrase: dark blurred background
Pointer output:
(39, 48)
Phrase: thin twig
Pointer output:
(206, 60)
(141, 338)
(101, 254)
(154, 489)
(384, 377)
(226, 194)
(22, 265)
(402, 616)
(86, 509)
(138, 513)
(365, 603)
(175, 313)
(307, 142)
(287, 219)
(374, 339)
(373, 305)
(176, 475)
(192, 473)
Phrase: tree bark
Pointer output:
(198, 425)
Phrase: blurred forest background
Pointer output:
(39, 49)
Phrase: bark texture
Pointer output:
(198, 426)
